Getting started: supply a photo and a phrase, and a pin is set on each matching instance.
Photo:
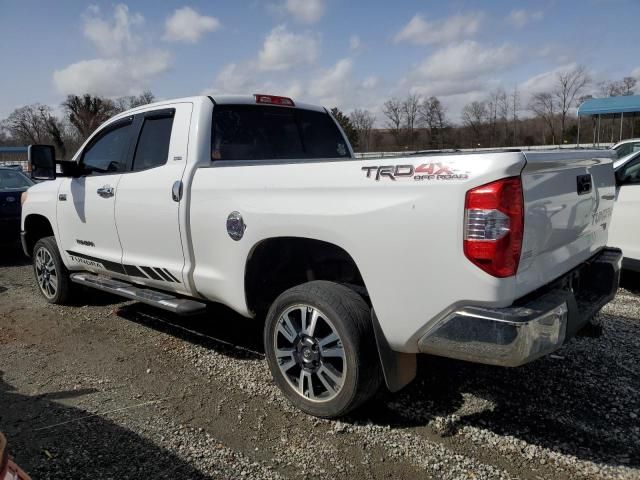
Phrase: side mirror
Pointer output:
(70, 169)
(42, 159)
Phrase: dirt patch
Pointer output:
(110, 389)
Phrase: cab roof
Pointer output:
(218, 100)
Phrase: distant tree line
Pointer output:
(81, 115)
(411, 123)
(499, 120)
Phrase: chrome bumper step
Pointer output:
(166, 301)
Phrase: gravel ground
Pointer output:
(107, 389)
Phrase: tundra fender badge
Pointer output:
(235, 226)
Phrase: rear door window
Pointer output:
(152, 149)
(259, 132)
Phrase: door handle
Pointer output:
(176, 191)
(106, 191)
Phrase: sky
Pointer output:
(345, 53)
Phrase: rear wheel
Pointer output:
(51, 274)
(320, 347)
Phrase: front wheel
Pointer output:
(320, 346)
(51, 274)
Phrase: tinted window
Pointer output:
(10, 180)
(108, 152)
(153, 145)
(256, 132)
(631, 173)
(627, 148)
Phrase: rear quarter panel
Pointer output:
(405, 235)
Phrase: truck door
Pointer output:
(148, 198)
(625, 227)
(85, 205)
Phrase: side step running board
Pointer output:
(166, 301)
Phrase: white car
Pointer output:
(626, 147)
(258, 203)
(625, 222)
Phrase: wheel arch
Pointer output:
(298, 258)
(275, 264)
(36, 226)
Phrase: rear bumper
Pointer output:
(533, 326)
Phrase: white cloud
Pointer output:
(332, 82)
(543, 82)
(422, 32)
(636, 73)
(459, 73)
(112, 38)
(243, 79)
(354, 42)
(371, 82)
(283, 49)
(187, 25)
(305, 11)
(124, 67)
(111, 77)
(467, 60)
(520, 18)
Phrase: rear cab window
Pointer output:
(265, 132)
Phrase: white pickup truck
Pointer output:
(258, 203)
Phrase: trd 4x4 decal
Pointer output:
(426, 171)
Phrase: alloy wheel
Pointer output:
(46, 273)
(309, 353)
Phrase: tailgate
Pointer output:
(568, 197)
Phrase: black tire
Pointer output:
(48, 246)
(350, 318)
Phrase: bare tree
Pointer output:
(502, 110)
(543, 105)
(495, 104)
(392, 109)
(37, 124)
(608, 89)
(431, 114)
(616, 88)
(27, 124)
(86, 113)
(628, 85)
(132, 101)
(515, 108)
(363, 121)
(474, 115)
(410, 111)
(570, 85)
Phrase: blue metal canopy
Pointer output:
(13, 149)
(603, 106)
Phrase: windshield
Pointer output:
(257, 132)
(13, 180)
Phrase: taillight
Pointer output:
(494, 225)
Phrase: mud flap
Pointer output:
(399, 368)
